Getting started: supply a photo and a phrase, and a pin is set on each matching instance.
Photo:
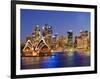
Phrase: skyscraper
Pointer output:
(70, 38)
(47, 33)
(82, 41)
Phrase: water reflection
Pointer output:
(59, 59)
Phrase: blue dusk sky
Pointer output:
(61, 21)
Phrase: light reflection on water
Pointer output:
(58, 60)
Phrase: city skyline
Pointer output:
(61, 21)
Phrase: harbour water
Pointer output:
(58, 60)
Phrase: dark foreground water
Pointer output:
(56, 61)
